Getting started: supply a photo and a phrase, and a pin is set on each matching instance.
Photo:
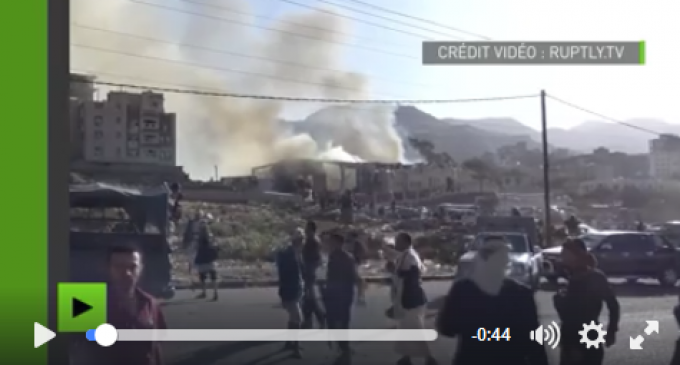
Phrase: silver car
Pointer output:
(524, 263)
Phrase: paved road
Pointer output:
(256, 308)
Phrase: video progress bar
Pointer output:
(170, 335)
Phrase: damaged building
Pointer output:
(383, 181)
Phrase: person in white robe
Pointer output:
(409, 302)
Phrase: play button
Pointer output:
(41, 335)
(79, 307)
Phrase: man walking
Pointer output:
(486, 298)
(409, 299)
(342, 277)
(311, 260)
(291, 285)
(205, 259)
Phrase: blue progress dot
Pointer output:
(90, 335)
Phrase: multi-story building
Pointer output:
(664, 157)
(126, 128)
(82, 89)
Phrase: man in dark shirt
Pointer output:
(581, 304)
(342, 277)
(129, 307)
(311, 260)
(291, 285)
(573, 226)
(488, 299)
(347, 207)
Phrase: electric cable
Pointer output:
(242, 55)
(296, 99)
(602, 116)
(413, 17)
(279, 31)
(213, 68)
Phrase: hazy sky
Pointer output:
(617, 91)
(621, 92)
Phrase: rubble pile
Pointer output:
(249, 235)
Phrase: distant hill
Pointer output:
(467, 138)
(616, 137)
(456, 137)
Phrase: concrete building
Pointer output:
(664, 157)
(619, 184)
(125, 128)
(81, 89)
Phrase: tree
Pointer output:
(481, 171)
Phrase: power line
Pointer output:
(602, 116)
(238, 54)
(315, 100)
(396, 21)
(412, 17)
(213, 68)
(279, 31)
(359, 20)
(301, 25)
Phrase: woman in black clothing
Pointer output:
(311, 261)
(581, 303)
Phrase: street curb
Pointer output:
(238, 284)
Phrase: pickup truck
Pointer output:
(524, 264)
(630, 255)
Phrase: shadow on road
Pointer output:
(176, 302)
(624, 290)
(629, 290)
(210, 355)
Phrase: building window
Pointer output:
(150, 124)
(98, 151)
(133, 153)
(119, 152)
(119, 135)
(98, 134)
(98, 120)
(135, 123)
(151, 153)
(150, 138)
(133, 137)
(118, 120)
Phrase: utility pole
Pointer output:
(546, 174)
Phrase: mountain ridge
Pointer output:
(468, 138)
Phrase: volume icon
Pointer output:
(549, 335)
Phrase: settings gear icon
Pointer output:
(592, 327)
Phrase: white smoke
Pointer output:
(238, 134)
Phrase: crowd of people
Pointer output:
(484, 299)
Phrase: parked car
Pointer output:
(524, 265)
(624, 254)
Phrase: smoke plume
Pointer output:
(236, 134)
